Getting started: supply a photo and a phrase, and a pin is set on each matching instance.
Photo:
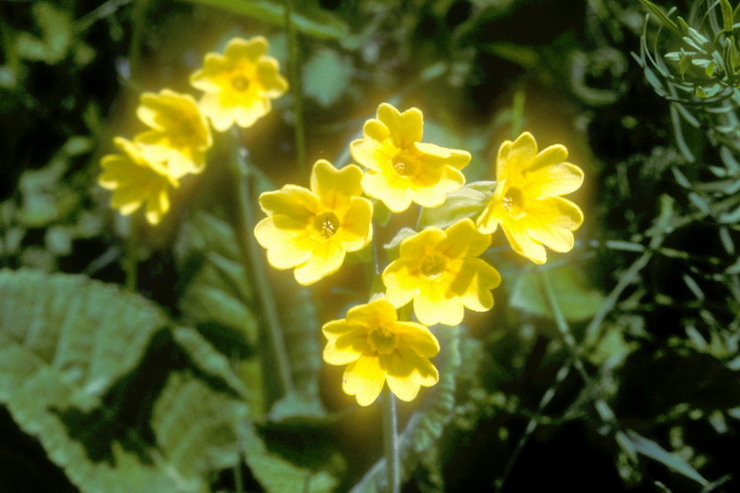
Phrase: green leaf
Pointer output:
(329, 27)
(302, 333)
(208, 359)
(216, 290)
(64, 341)
(197, 428)
(426, 425)
(326, 76)
(469, 201)
(673, 462)
(661, 16)
(276, 474)
(575, 298)
(56, 35)
(218, 298)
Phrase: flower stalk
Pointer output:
(390, 442)
(296, 88)
(131, 260)
(254, 265)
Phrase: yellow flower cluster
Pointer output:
(439, 270)
(238, 87)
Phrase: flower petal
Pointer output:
(356, 228)
(474, 282)
(400, 285)
(400, 377)
(456, 158)
(324, 259)
(414, 247)
(462, 239)
(522, 244)
(291, 200)
(394, 195)
(551, 175)
(345, 348)
(435, 194)
(373, 154)
(335, 187)
(247, 114)
(515, 157)
(268, 73)
(374, 314)
(431, 307)
(364, 379)
(251, 49)
(212, 76)
(417, 337)
(552, 222)
(405, 128)
(221, 117)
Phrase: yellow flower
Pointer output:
(179, 135)
(440, 270)
(239, 85)
(312, 230)
(401, 168)
(527, 202)
(378, 349)
(135, 181)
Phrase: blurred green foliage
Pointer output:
(612, 368)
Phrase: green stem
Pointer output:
(131, 259)
(390, 441)
(138, 17)
(517, 113)
(296, 89)
(254, 265)
(602, 408)
(238, 478)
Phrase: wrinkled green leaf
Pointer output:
(208, 359)
(64, 341)
(197, 428)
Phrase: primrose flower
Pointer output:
(400, 168)
(378, 348)
(441, 272)
(312, 230)
(179, 135)
(239, 84)
(136, 181)
(527, 202)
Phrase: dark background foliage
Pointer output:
(615, 370)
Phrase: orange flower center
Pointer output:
(405, 164)
(382, 340)
(433, 265)
(240, 83)
(326, 224)
(513, 202)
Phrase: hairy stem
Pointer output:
(254, 264)
(390, 441)
(296, 89)
(131, 258)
